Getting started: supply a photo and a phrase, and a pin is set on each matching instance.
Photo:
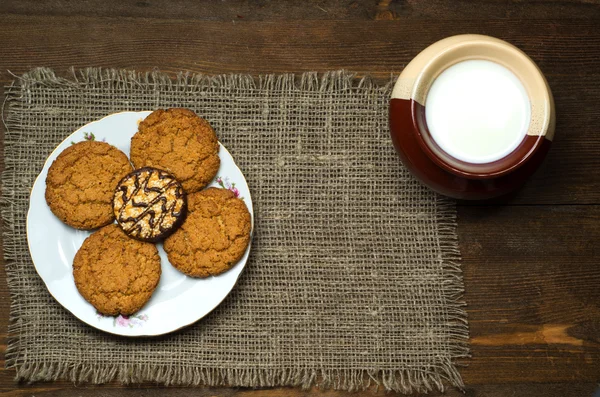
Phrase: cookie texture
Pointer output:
(116, 273)
(81, 182)
(179, 142)
(149, 204)
(214, 235)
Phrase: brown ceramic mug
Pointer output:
(468, 138)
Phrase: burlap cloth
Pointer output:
(353, 280)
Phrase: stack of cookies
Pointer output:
(175, 155)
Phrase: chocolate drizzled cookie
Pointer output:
(149, 204)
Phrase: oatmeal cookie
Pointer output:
(115, 273)
(81, 182)
(214, 235)
(179, 142)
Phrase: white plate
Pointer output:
(178, 300)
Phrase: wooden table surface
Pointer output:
(531, 263)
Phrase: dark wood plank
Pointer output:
(568, 51)
(290, 10)
(531, 275)
(530, 390)
(560, 47)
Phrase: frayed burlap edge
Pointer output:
(420, 379)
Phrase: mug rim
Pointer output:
(418, 76)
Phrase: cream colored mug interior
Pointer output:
(418, 76)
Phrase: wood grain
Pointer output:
(531, 275)
(290, 10)
(530, 261)
(64, 389)
(377, 47)
(568, 51)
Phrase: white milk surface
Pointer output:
(477, 111)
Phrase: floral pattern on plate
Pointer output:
(89, 136)
(225, 183)
(137, 320)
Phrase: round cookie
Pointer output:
(115, 273)
(81, 182)
(214, 235)
(149, 204)
(179, 142)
